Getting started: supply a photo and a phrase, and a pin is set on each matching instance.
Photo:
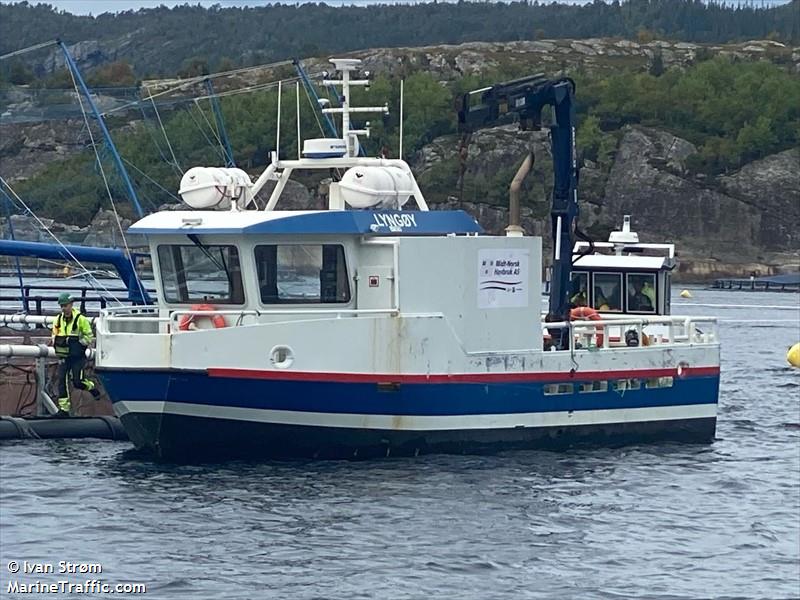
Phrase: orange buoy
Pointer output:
(186, 320)
(587, 313)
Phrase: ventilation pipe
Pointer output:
(514, 228)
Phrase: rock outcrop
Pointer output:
(745, 221)
(748, 221)
(772, 186)
(452, 61)
(26, 147)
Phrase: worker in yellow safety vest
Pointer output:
(72, 335)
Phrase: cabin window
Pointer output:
(622, 385)
(607, 292)
(659, 382)
(641, 292)
(194, 273)
(579, 294)
(302, 274)
(558, 389)
(594, 386)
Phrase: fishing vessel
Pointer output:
(372, 329)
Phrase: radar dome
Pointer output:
(381, 187)
(213, 187)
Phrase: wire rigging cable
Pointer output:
(149, 129)
(166, 137)
(193, 80)
(105, 183)
(150, 179)
(90, 278)
(28, 49)
(213, 129)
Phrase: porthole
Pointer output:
(281, 357)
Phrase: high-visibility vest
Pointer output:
(71, 337)
(650, 293)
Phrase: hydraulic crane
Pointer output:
(524, 99)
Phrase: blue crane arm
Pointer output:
(115, 257)
(525, 98)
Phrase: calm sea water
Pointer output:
(659, 521)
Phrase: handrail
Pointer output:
(689, 325)
(680, 329)
(138, 314)
(335, 313)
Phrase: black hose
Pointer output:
(582, 236)
(101, 427)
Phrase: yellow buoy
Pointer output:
(793, 355)
(686, 294)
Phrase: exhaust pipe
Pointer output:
(514, 228)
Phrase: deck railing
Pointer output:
(42, 298)
(611, 333)
(608, 334)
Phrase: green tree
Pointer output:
(20, 74)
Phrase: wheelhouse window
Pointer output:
(579, 291)
(199, 273)
(302, 274)
(607, 292)
(641, 292)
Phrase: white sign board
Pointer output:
(503, 278)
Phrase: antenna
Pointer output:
(345, 66)
(297, 98)
(278, 131)
(400, 153)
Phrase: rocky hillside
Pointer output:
(164, 41)
(449, 62)
(730, 224)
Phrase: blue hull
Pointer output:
(181, 415)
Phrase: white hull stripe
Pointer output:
(422, 422)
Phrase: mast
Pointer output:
(350, 136)
(109, 141)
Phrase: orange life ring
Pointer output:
(587, 313)
(187, 319)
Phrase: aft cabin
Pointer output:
(623, 275)
(255, 267)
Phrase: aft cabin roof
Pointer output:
(325, 222)
(623, 263)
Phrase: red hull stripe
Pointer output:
(458, 377)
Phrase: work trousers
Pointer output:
(70, 371)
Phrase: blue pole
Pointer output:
(312, 90)
(115, 155)
(22, 297)
(110, 256)
(223, 134)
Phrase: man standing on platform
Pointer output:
(72, 335)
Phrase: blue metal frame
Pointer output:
(109, 141)
(301, 72)
(223, 133)
(110, 256)
(22, 297)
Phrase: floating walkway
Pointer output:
(44, 428)
(789, 282)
